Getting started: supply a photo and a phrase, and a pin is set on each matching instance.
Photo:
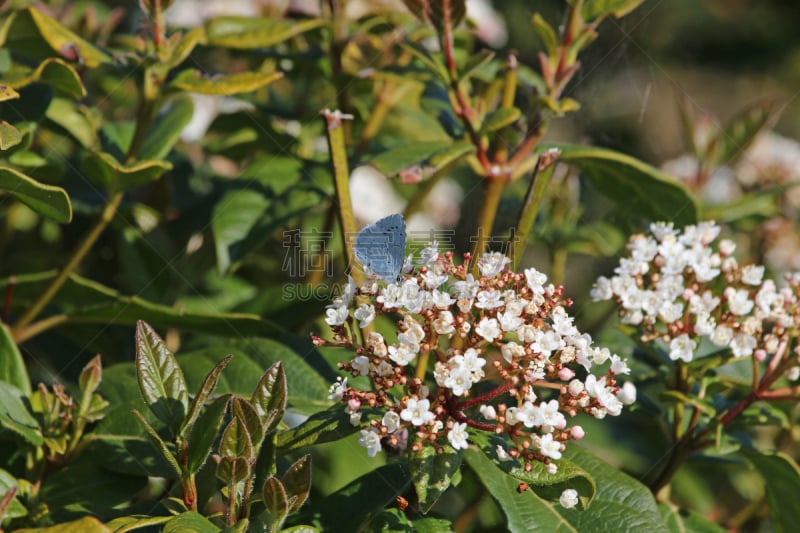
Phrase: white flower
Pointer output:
(509, 322)
(602, 290)
(441, 299)
(402, 354)
(360, 364)
(549, 447)
(619, 366)
(670, 312)
(488, 329)
(722, 336)
(417, 412)
(739, 302)
(459, 381)
(568, 498)
(364, 314)
(489, 299)
(552, 469)
(376, 343)
(510, 350)
(743, 345)
(458, 436)
(444, 324)
(752, 274)
(391, 421)
(502, 454)
(468, 288)
(682, 347)
(336, 315)
(535, 280)
(370, 440)
(337, 390)
(492, 263)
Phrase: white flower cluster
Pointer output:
(499, 353)
(679, 288)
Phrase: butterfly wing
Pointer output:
(380, 247)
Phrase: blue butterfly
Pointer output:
(381, 247)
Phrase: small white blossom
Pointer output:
(682, 347)
(458, 436)
(391, 421)
(336, 315)
(370, 440)
(361, 364)
(568, 498)
(365, 314)
(489, 329)
(549, 447)
(417, 412)
(492, 263)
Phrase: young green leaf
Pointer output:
(203, 433)
(242, 82)
(275, 499)
(168, 456)
(270, 395)
(255, 32)
(245, 411)
(236, 441)
(9, 135)
(208, 386)
(114, 176)
(87, 524)
(167, 128)
(325, 426)
(297, 482)
(160, 378)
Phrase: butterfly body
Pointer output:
(381, 247)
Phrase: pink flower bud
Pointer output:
(566, 374)
(576, 432)
(353, 404)
(760, 355)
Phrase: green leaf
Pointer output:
(54, 72)
(204, 432)
(46, 200)
(167, 128)
(88, 302)
(761, 205)
(242, 82)
(245, 411)
(373, 491)
(190, 522)
(594, 9)
(14, 509)
(161, 380)
(325, 426)
(124, 524)
(9, 135)
(199, 401)
(234, 216)
(500, 118)
(160, 445)
(255, 32)
(27, 24)
(636, 186)
(74, 119)
(740, 132)
(686, 521)
(15, 416)
(524, 512)
(432, 473)
(550, 486)
(113, 176)
(87, 524)
(621, 503)
(782, 482)
(434, 153)
(297, 482)
(236, 441)
(234, 469)
(270, 395)
(275, 499)
(12, 365)
(546, 33)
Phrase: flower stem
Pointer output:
(533, 200)
(493, 191)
